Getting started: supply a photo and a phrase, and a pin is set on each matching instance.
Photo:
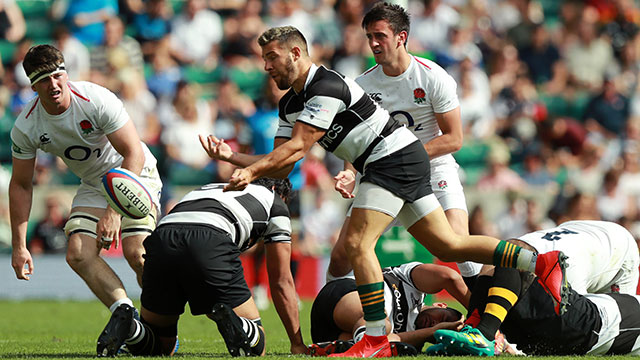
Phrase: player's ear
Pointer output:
(296, 51)
(403, 35)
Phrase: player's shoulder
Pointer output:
(368, 74)
(28, 111)
(428, 67)
(326, 82)
(87, 91)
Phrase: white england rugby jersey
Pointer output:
(357, 129)
(601, 254)
(414, 97)
(78, 135)
(249, 215)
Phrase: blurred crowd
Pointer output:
(548, 91)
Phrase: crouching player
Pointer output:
(193, 256)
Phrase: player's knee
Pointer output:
(134, 256)
(76, 258)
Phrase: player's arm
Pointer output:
(283, 157)
(431, 279)
(418, 337)
(126, 142)
(283, 291)
(20, 197)
(451, 139)
(217, 149)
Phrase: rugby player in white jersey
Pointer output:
(325, 107)
(422, 96)
(604, 260)
(86, 126)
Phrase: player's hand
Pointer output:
(216, 148)
(345, 183)
(108, 229)
(450, 325)
(20, 258)
(239, 180)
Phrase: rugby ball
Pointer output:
(126, 194)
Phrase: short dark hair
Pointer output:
(41, 58)
(396, 15)
(285, 35)
(446, 314)
(282, 187)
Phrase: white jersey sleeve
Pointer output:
(110, 112)
(22, 147)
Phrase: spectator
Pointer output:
(290, 12)
(140, 105)
(12, 24)
(540, 56)
(608, 112)
(587, 175)
(478, 224)
(431, 27)
(86, 19)
(48, 235)
(152, 24)
(612, 202)
(165, 72)
(118, 51)
(76, 55)
(498, 176)
(535, 173)
(184, 119)
(630, 173)
(589, 57)
(348, 58)
(196, 34)
(564, 133)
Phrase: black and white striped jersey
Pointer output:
(620, 331)
(402, 299)
(357, 129)
(249, 215)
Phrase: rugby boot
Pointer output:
(121, 326)
(230, 327)
(329, 347)
(437, 350)
(551, 271)
(368, 347)
(468, 341)
(399, 348)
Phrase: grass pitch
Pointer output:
(69, 330)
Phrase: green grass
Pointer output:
(68, 330)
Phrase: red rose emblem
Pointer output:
(86, 126)
(418, 95)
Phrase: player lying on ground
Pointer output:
(604, 259)
(408, 320)
(193, 256)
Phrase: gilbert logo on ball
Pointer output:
(126, 194)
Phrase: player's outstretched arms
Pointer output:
(218, 149)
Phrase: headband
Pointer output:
(34, 77)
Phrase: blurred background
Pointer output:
(548, 91)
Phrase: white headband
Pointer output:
(34, 77)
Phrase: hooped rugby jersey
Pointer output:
(414, 97)
(249, 215)
(600, 254)
(77, 136)
(620, 330)
(357, 129)
(402, 299)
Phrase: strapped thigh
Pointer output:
(133, 227)
(81, 222)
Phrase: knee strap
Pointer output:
(81, 222)
(133, 227)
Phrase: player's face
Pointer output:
(384, 44)
(53, 92)
(278, 62)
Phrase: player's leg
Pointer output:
(447, 187)
(339, 262)
(373, 210)
(133, 234)
(240, 327)
(428, 224)
(83, 257)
